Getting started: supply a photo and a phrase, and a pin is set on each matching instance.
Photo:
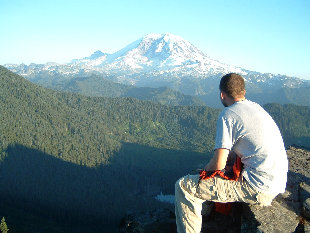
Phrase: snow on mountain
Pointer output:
(94, 60)
(163, 52)
(158, 52)
(153, 57)
(154, 52)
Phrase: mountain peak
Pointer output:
(96, 55)
(175, 43)
(95, 59)
(164, 36)
(154, 54)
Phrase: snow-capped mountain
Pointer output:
(155, 60)
(158, 53)
(164, 53)
(153, 55)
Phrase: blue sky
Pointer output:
(269, 36)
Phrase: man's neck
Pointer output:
(234, 100)
(239, 99)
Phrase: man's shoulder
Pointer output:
(244, 106)
(241, 110)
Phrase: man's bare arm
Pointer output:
(218, 162)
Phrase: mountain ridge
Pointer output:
(158, 60)
(96, 85)
(166, 51)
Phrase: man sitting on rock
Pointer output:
(246, 130)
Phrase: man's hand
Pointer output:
(218, 162)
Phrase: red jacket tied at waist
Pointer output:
(223, 208)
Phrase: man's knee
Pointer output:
(187, 183)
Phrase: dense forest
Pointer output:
(66, 153)
(71, 162)
(101, 85)
(61, 123)
(293, 121)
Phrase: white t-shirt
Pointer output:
(247, 129)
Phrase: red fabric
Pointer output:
(237, 168)
(223, 208)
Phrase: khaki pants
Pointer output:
(189, 198)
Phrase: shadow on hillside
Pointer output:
(42, 186)
(300, 141)
(42, 193)
(37, 184)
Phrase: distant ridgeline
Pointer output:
(65, 156)
(163, 68)
(102, 86)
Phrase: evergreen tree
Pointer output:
(3, 227)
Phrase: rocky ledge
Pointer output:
(289, 212)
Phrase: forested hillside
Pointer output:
(71, 163)
(75, 157)
(293, 121)
(101, 85)
(65, 125)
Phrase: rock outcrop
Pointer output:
(289, 211)
(161, 220)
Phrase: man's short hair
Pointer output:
(233, 85)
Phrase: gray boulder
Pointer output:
(306, 209)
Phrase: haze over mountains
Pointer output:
(162, 60)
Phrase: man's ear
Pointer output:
(223, 95)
